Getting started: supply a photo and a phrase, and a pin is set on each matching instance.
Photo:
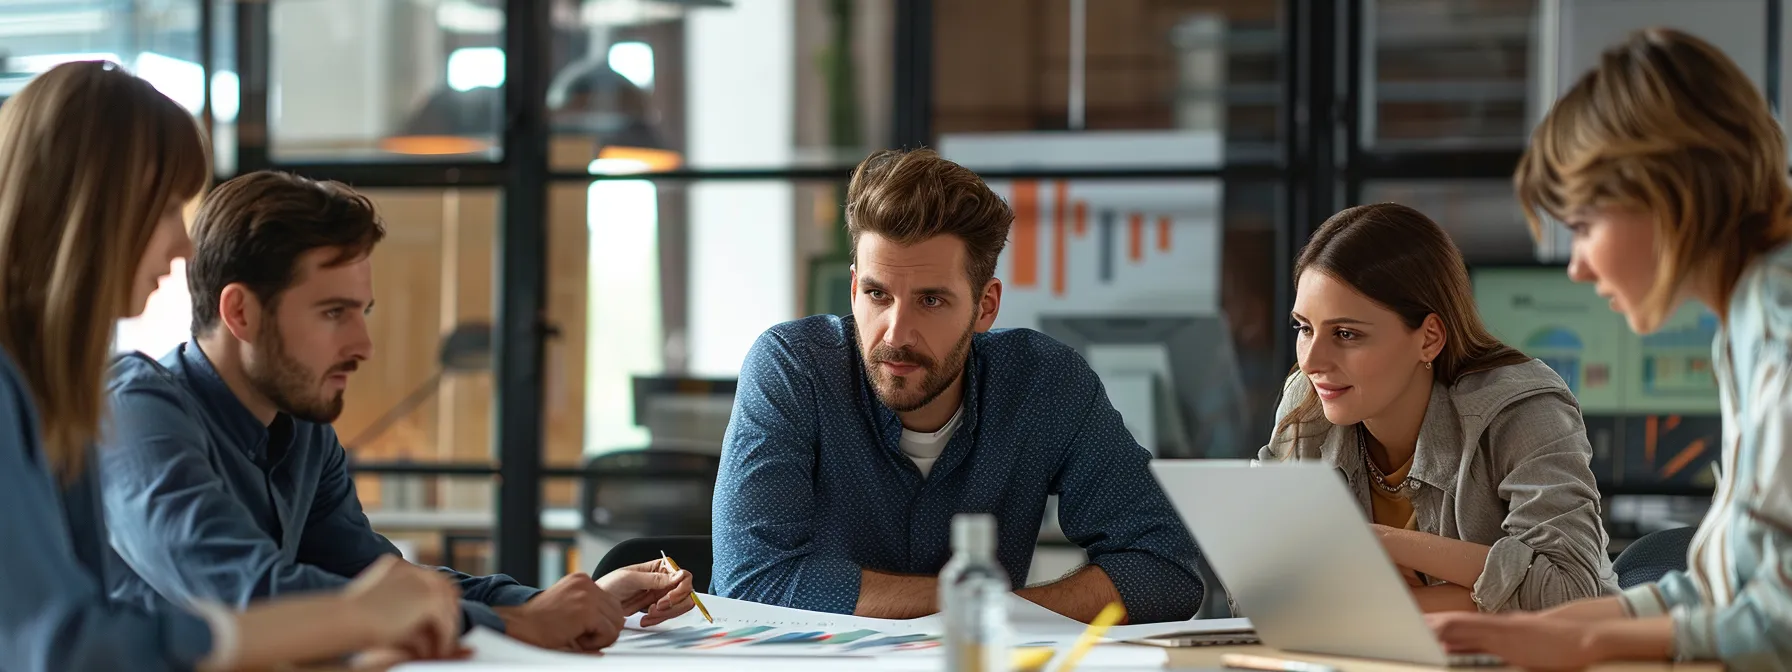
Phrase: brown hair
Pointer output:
(90, 159)
(1668, 125)
(1403, 261)
(253, 229)
(911, 196)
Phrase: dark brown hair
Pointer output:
(911, 196)
(253, 229)
(91, 158)
(1403, 261)
(1668, 125)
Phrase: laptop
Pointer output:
(1299, 560)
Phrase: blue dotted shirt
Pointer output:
(814, 486)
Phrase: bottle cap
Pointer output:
(974, 533)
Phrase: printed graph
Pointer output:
(1070, 219)
(765, 639)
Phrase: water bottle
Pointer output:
(974, 598)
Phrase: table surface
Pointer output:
(1209, 657)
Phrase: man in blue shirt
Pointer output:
(855, 440)
(229, 484)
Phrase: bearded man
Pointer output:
(855, 440)
(224, 480)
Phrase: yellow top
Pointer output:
(1390, 509)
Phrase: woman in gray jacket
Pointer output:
(1470, 458)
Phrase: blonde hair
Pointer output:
(1667, 125)
(1403, 261)
(90, 158)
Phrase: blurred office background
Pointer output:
(596, 205)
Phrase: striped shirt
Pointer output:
(1734, 602)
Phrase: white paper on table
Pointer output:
(691, 635)
(491, 646)
(738, 613)
(1026, 619)
(496, 652)
(1199, 626)
(1029, 623)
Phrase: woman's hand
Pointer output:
(1529, 641)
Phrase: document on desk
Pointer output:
(800, 639)
(1027, 619)
(495, 652)
(744, 628)
(748, 628)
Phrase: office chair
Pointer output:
(1652, 556)
(651, 492)
(691, 552)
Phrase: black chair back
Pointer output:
(692, 553)
(1655, 554)
(653, 492)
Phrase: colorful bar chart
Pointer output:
(1069, 218)
(694, 639)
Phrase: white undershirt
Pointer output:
(925, 447)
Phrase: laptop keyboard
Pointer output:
(1475, 660)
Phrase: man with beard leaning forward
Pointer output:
(229, 483)
(854, 440)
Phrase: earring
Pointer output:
(1427, 366)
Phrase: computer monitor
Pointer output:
(1174, 378)
(1650, 401)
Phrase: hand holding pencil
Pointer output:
(652, 587)
(673, 568)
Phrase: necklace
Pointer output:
(1381, 480)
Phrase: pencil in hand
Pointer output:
(673, 568)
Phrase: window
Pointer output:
(1202, 66)
(156, 40)
(353, 80)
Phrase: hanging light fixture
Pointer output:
(588, 98)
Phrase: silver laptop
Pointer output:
(1298, 559)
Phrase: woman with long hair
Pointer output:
(1669, 169)
(1470, 458)
(96, 168)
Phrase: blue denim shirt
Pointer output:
(54, 613)
(814, 486)
(208, 503)
(1734, 601)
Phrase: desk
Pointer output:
(1209, 657)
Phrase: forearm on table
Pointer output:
(885, 595)
(1453, 560)
(1081, 595)
(1609, 608)
(298, 629)
(1444, 597)
(1632, 639)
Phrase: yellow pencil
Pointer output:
(1030, 659)
(673, 567)
(1109, 615)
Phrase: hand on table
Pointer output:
(649, 587)
(1529, 641)
(572, 615)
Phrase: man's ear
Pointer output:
(989, 303)
(240, 312)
